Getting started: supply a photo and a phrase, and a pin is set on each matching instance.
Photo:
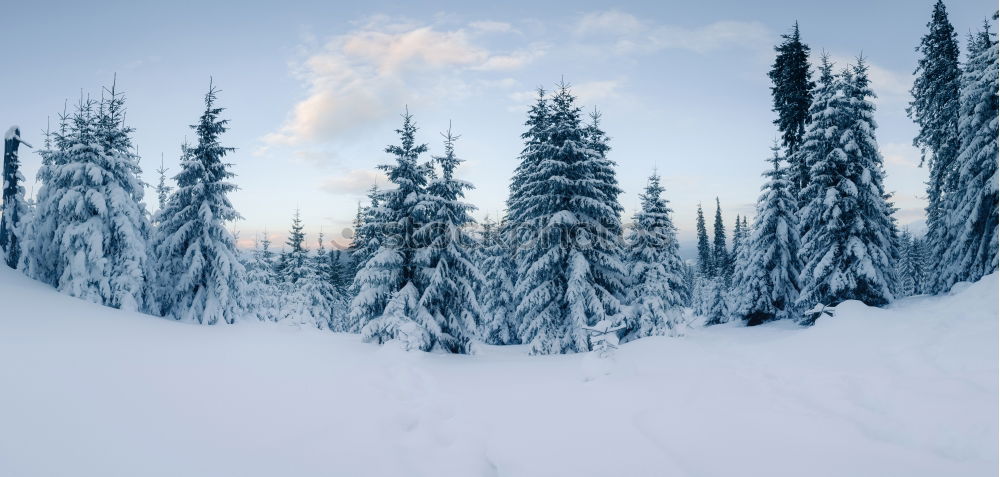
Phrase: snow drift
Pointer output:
(907, 390)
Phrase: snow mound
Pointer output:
(88, 391)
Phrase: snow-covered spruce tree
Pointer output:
(971, 241)
(162, 188)
(766, 276)
(720, 251)
(14, 209)
(314, 300)
(201, 276)
(568, 277)
(849, 244)
(792, 94)
(910, 268)
(336, 273)
(820, 140)
(450, 278)
(296, 260)
(387, 301)
(91, 228)
(656, 290)
(935, 109)
(519, 210)
(367, 231)
(262, 298)
(497, 299)
(705, 268)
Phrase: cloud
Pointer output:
(492, 27)
(627, 34)
(368, 74)
(355, 182)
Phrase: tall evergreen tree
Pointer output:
(792, 95)
(849, 245)
(89, 236)
(571, 277)
(499, 321)
(706, 261)
(519, 209)
(202, 277)
(387, 301)
(765, 281)
(450, 279)
(970, 244)
(296, 260)
(656, 273)
(263, 293)
(935, 109)
(14, 208)
(720, 251)
(162, 189)
(910, 268)
(819, 142)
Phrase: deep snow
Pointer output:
(89, 391)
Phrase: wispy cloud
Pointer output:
(355, 182)
(367, 74)
(625, 34)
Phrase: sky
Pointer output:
(314, 89)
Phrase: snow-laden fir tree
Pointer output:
(765, 282)
(162, 188)
(971, 241)
(367, 233)
(911, 267)
(716, 302)
(450, 278)
(849, 245)
(313, 299)
(90, 232)
(792, 94)
(706, 261)
(500, 324)
(519, 210)
(570, 276)
(263, 293)
(201, 276)
(705, 268)
(296, 262)
(656, 290)
(720, 251)
(14, 209)
(935, 109)
(387, 300)
(338, 275)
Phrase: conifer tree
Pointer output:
(450, 279)
(935, 109)
(263, 291)
(910, 268)
(499, 322)
(849, 244)
(14, 209)
(970, 244)
(766, 277)
(656, 283)
(539, 115)
(162, 189)
(296, 260)
(202, 277)
(91, 230)
(387, 302)
(571, 277)
(706, 260)
(792, 94)
(367, 232)
(720, 251)
(819, 141)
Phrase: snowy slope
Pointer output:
(88, 391)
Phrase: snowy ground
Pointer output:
(89, 391)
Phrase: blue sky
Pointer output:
(315, 89)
